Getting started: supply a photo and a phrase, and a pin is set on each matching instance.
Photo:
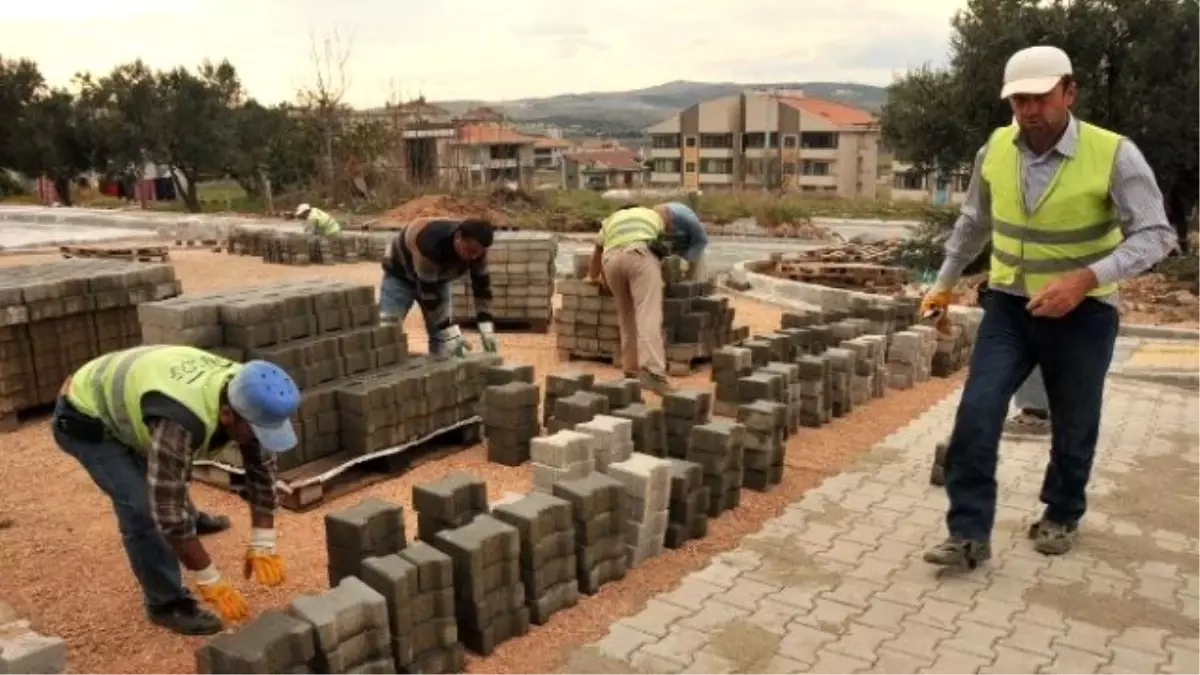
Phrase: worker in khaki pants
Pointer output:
(627, 259)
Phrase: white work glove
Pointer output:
(684, 266)
(451, 342)
(487, 337)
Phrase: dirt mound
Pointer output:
(431, 206)
(1154, 298)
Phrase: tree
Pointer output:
(272, 144)
(323, 97)
(20, 84)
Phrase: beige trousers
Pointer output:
(698, 271)
(634, 275)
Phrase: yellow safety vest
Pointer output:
(630, 226)
(110, 388)
(1073, 225)
(326, 225)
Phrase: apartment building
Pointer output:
(778, 139)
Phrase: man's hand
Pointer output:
(1061, 296)
(451, 342)
(935, 306)
(487, 337)
(221, 595)
(263, 562)
(597, 281)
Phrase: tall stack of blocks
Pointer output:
(521, 267)
(548, 565)
(613, 439)
(811, 372)
(649, 428)
(841, 363)
(273, 642)
(647, 482)
(451, 502)
(399, 582)
(435, 645)
(579, 407)
(489, 594)
(790, 375)
(586, 325)
(719, 447)
(687, 512)
(729, 365)
(598, 513)
(562, 386)
(905, 357)
(765, 428)
(353, 633)
(682, 410)
(566, 455)
(371, 528)
(510, 421)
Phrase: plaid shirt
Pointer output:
(169, 466)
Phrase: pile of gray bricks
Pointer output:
(510, 421)
(647, 483)
(649, 428)
(273, 642)
(612, 438)
(816, 390)
(952, 352)
(563, 385)
(57, 316)
(687, 511)
(682, 410)
(765, 430)
(719, 447)
(548, 565)
(371, 528)
(906, 361)
(433, 640)
(489, 594)
(841, 364)
(564, 455)
(448, 503)
(505, 373)
(521, 267)
(620, 392)
(350, 622)
(598, 513)
(586, 324)
(295, 248)
(790, 374)
(24, 651)
(576, 408)
(729, 365)
(868, 359)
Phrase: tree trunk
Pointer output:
(327, 142)
(186, 193)
(62, 185)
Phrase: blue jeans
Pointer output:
(396, 298)
(1032, 394)
(1074, 353)
(120, 472)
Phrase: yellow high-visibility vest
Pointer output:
(630, 226)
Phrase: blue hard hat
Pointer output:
(266, 397)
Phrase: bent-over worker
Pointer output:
(317, 222)
(136, 419)
(421, 262)
(687, 236)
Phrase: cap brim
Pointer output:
(277, 439)
(1033, 86)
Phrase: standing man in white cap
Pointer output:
(1070, 209)
(317, 222)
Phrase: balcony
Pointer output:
(672, 178)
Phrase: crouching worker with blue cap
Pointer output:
(136, 419)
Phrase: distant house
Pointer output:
(491, 153)
(548, 152)
(603, 170)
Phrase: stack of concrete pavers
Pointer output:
(563, 385)
(765, 431)
(613, 437)
(862, 378)
(649, 428)
(687, 511)
(762, 384)
(682, 410)
(325, 358)
(24, 651)
(813, 381)
(952, 352)
(510, 419)
(373, 527)
(598, 513)
(417, 585)
(586, 324)
(620, 392)
(905, 357)
(564, 455)
(790, 372)
(273, 642)
(877, 355)
(521, 267)
(489, 594)
(841, 363)
(452, 502)
(729, 365)
(719, 447)
(352, 629)
(548, 565)
(647, 482)
(579, 407)
(56, 316)
(504, 373)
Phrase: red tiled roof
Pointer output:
(839, 114)
(620, 160)
(490, 134)
(551, 143)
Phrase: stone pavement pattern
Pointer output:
(837, 584)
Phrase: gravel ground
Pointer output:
(59, 525)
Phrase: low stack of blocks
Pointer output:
(682, 410)
(548, 565)
(729, 366)
(814, 385)
(612, 439)
(598, 513)
(273, 642)
(435, 644)
(649, 428)
(719, 447)
(373, 527)
(586, 325)
(577, 408)
(562, 386)
(353, 633)
(687, 516)
(521, 267)
(841, 363)
(294, 248)
(565, 455)
(647, 483)
(510, 421)
(620, 392)
(765, 430)
(453, 501)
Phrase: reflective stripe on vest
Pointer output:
(1073, 225)
(631, 226)
(326, 224)
(111, 387)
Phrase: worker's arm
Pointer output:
(262, 472)
(697, 238)
(595, 263)
(167, 462)
(1139, 203)
(481, 289)
(972, 230)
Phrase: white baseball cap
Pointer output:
(1035, 70)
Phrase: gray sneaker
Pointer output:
(1028, 423)
(959, 552)
(655, 382)
(1051, 538)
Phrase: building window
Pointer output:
(716, 140)
(755, 140)
(665, 141)
(690, 167)
(666, 165)
(909, 180)
(715, 165)
(690, 141)
(789, 141)
(811, 167)
(818, 140)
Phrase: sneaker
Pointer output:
(207, 524)
(186, 617)
(630, 374)
(1051, 538)
(655, 382)
(1031, 422)
(959, 552)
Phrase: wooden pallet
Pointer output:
(505, 325)
(11, 420)
(313, 484)
(607, 359)
(134, 253)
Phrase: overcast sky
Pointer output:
(487, 49)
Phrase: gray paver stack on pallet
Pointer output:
(56, 316)
(295, 248)
(564, 455)
(489, 594)
(548, 566)
(521, 267)
(719, 447)
(598, 512)
(687, 511)
(647, 483)
(510, 422)
(350, 622)
(371, 528)
(448, 503)
(682, 410)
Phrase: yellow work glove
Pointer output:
(263, 563)
(935, 308)
(221, 595)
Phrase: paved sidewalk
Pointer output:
(837, 584)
